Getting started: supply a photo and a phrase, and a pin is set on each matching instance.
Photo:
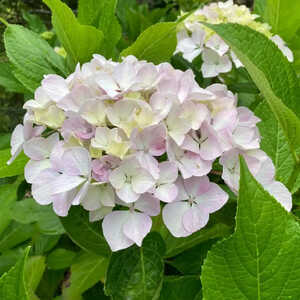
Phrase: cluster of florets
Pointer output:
(194, 38)
(125, 139)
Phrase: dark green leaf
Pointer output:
(190, 261)
(29, 211)
(60, 259)
(8, 80)
(86, 271)
(15, 234)
(180, 288)
(260, 260)
(85, 234)
(137, 273)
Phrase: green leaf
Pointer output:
(34, 270)
(110, 26)
(4, 140)
(31, 56)
(8, 195)
(12, 284)
(260, 260)
(271, 72)
(80, 41)
(275, 144)
(137, 272)
(29, 211)
(282, 15)
(8, 80)
(220, 225)
(14, 235)
(44, 243)
(180, 288)
(16, 168)
(95, 293)
(86, 271)
(156, 44)
(89, 12)
(85, 234)
(9, 258)
(60, 259)
(190, 261)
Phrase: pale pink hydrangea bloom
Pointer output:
(132, 137)
(194, 39)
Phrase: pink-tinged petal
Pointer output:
(77, 161)
(125, 75)
(194, 219)
(210, 149)
(148, 163)
(281, 194)
(137, 226)
(195, 186)
(42, 189)
(99, 214)
(34, 168)
(112, 226)
(81, 193)
(64, 183)
(212, 200)
(108, 84)
(166, 192)
(127, 194)
(39, 148)
(16, 142)
(168, 172)
(148, 204)
(98, 196)
(55, 87)
(172, 216)
(56, 156)
(142, 182)
(117, 178)
(63, 202)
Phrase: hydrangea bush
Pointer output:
(137, 169)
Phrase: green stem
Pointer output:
(4, 21)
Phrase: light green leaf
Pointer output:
(85, 234)
(260, 260)
(156, 44)
(282, 15)
(34, 22)
(271, 72)
(44, 243)
(80, 41)
(12, 283)
(60, 259)
(89, 12)
(16, 168)
(31, 56)
(86, 271)
(34, 270)
(29, 211)
(180, 288)
(8, 80)
(137, 272)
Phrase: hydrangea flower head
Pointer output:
(194, 39)
(125, 139)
